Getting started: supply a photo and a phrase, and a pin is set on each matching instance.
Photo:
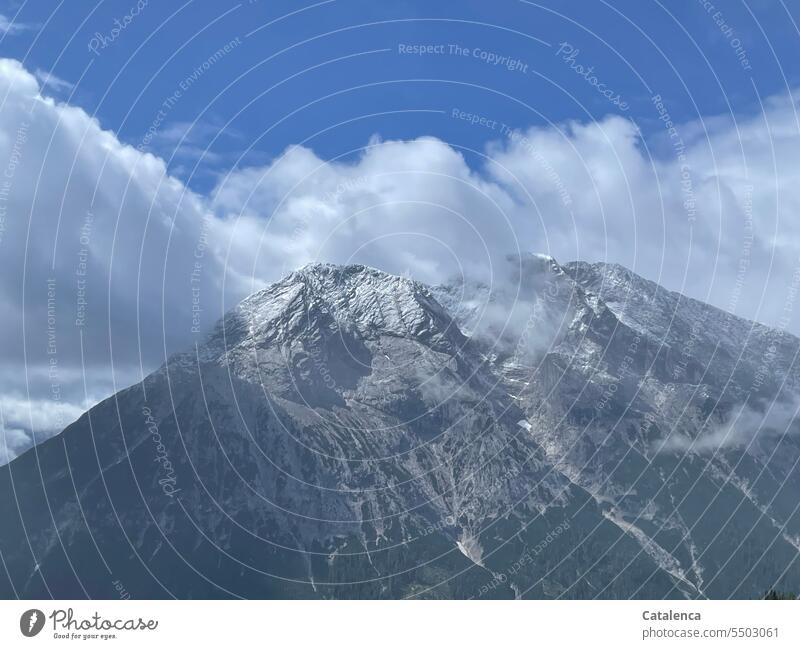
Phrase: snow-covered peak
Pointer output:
(326, 297)
(662, 313)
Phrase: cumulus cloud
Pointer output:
(12, 442)
(411, 206)
(108, 263)
(100, 252)
(27, 421)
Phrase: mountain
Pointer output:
(570, 431)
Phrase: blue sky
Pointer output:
(343, 56)
(166, 159)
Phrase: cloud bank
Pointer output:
(108, 264)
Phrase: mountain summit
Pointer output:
(570, 431)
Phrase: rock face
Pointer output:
(574, 431)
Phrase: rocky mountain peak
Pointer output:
(321, 300)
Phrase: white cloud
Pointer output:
(23, 421)
(40, 415)
(12, 443)
(188, 142)
(52, 82)
(11, 27)
(400, 206)
(742, 429)
(107, 224)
